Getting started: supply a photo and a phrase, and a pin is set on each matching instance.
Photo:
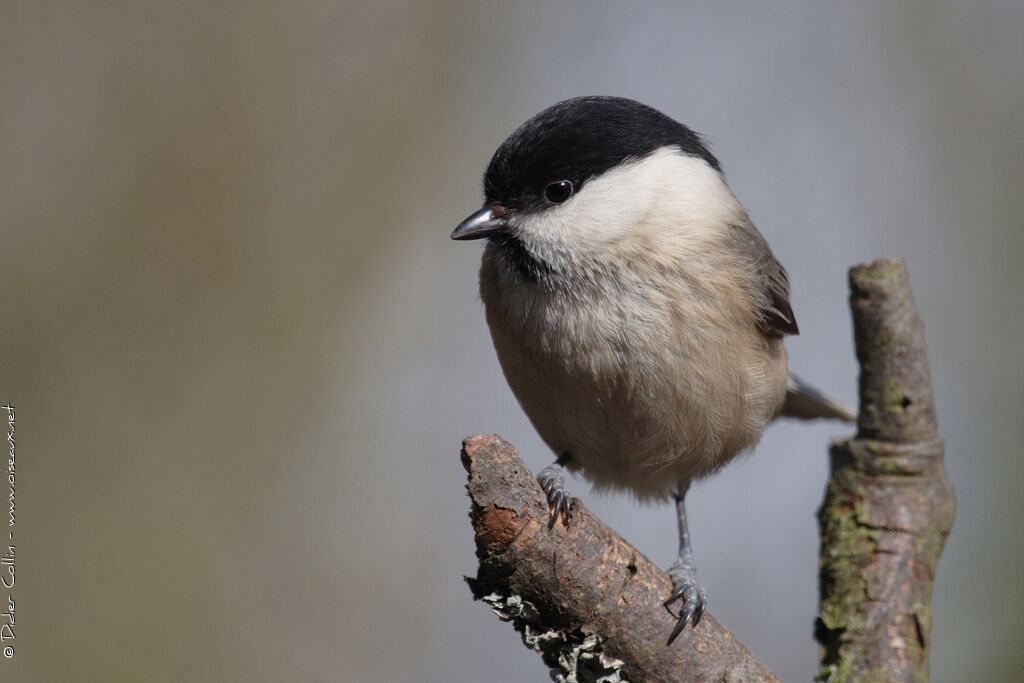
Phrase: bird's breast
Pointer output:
(642, 387)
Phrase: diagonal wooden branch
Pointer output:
(888, 506)
(586, 600)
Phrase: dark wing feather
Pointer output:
(777, 317)
(775, 314)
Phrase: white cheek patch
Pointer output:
(665, 190)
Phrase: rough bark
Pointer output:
(889, 506)
(581, 596)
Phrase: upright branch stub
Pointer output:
(581, 596)
(896, 403)
(889, 506)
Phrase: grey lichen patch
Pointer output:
(571, 656)
(511, 607)
(585, 663)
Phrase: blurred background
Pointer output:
(243, 351)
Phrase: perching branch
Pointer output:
(591, 604)
(889, 505)
(585, 599)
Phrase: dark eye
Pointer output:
(558, 191)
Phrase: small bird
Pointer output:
(637, 313)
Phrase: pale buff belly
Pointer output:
(636, 404)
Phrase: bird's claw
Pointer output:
(694, 598)
(559, 500)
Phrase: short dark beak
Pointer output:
(484, 223)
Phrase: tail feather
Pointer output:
(807, 403)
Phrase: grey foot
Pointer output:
(550, 480)
(686, 588)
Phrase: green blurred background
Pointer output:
(243, 351)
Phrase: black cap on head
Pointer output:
(579, 139)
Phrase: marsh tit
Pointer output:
(637, 313)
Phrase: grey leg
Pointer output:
(684, 576)
(550, 480)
